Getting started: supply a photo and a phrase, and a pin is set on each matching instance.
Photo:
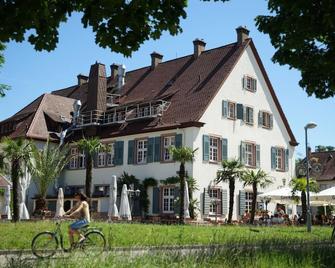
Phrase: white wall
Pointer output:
(236, 131)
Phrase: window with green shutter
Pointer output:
(179, 140)
(239, 111)
(205, 147)
(157, 154)
(131, 152)
(118, 158)
(224, 150)
(242, 206)
(224, 108)
(151, 150)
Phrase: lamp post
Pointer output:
(309, 218)
(133, 193)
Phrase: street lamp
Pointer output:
(309, 218)
(132, 193)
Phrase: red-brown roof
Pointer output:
(189, 83)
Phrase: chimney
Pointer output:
(114, 70)
(199, 47)
(97, 88)
(242, 34)
(82, 79)
(156, 59)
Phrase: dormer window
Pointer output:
(249, 83)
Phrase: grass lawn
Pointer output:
(20, 235)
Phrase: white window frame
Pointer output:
(110, 154)
(247, 117)
(168, 199)
(74, 158)
(250, 154)
(101, 159)
(214, 149)
(280, 159)
(214, 193)
(231, 113)
(248, 201)
(168, 141)
(248, 83)
(81, 160)
(141, 151)
(266, 119)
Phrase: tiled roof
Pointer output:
(327, 161)
(189, 83)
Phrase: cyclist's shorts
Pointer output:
(79, 224)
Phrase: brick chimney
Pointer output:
(114, 70)
(242, 34)
(82, 79)
(199, 47)
(97, 88)
(156, 59)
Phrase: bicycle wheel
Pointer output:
(44, 245)
(94, 243)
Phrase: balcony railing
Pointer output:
(121, 114)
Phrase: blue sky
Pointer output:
(32, 73)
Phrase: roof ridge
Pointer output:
(35, 115)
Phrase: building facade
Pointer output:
(218, 101)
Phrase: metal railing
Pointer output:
(121, 114)
(112, 100)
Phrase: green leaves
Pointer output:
(3, 87)
(182, 154)
(90, 146)
(303, 34)
(231, 170)
(259, 177)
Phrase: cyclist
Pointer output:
(81, 213)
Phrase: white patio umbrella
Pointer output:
(24, 182)
(326, 196)
(7, 203)
(112, 209)
(60, 204)
(125, 212)
(186, 202)
(283, 195)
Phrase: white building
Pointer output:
(220, 101)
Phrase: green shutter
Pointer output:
(224, 149)
(155, 200)
(206, 201)
(254, 81)
(273, 158)
(150, 153)
(224, 108)
(131, 152)
(271, 121)
(258, 155)
(287, 157)
(239, 111)
(157, 153)
(224, 202)
(118, 158)
(260, 118)
(242, 202)
(205, 147)
(179, 140)
(251, 115)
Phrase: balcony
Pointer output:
(121, 114)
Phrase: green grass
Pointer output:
(19, 235)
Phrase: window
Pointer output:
(249, 115)
(280, 159)
(142, 150)
(74, 158)
(248, 201)
(214, 207)
(167, 143)
(250, 154)
(249, 83)
(213, 149)
(265, 119)
(110, 154)
(101, 190)
(168, 200)
(81, 159)
(231, 110)
(101, 159)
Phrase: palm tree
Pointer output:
(15, 156)
(255, 179)
(300, 184)
(90, 147)
(230, 172)
(45, 167)
(182, 155)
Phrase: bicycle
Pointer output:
(46, 244)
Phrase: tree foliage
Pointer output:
(303, 34)
(231, 171)
(3, 87)
(322, 148)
